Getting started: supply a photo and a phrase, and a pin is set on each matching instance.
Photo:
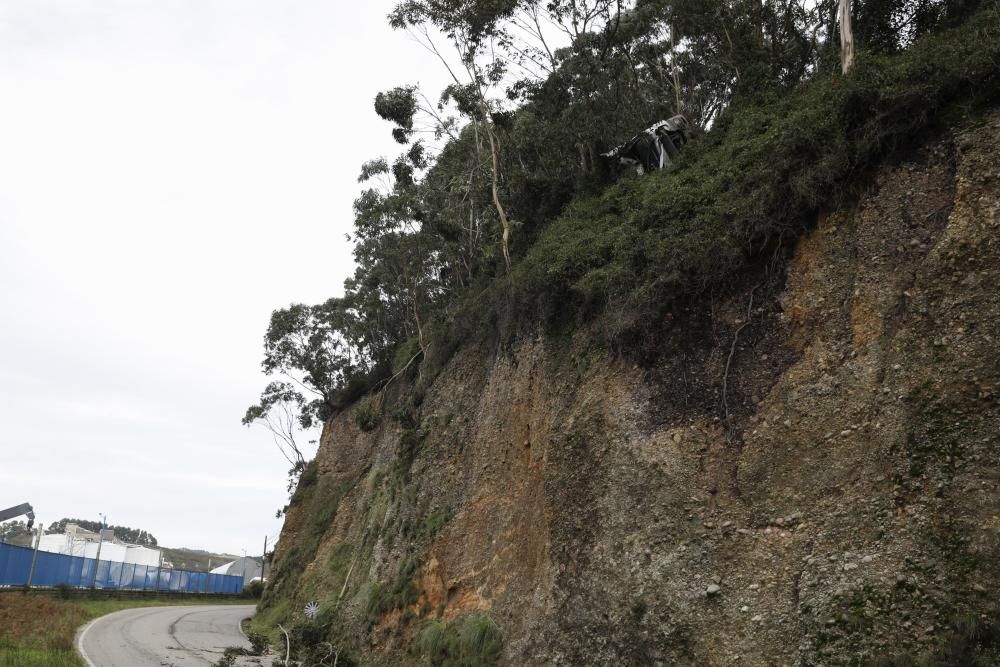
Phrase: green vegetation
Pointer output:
(502, 218)
(123, 533)
(37, 630)
(473, 641)
(319, 500)
(318, 641)
(254, 590)
(15, 532)
(970, 640)
(755, 180)
(789, 136)
(398, 594)
(434, 522)
(368, 412)
(258, 646)
(266, 620)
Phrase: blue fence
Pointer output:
(78, 572)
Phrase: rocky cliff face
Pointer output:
(808, 472)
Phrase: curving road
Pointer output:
(192, 636)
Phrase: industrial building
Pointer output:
(77, 541)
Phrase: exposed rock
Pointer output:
(596, 543)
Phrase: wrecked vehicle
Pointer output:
(653, 148)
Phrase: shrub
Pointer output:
(258, 643)
(474, 641)
(480, 641)
(434, 642)
(434, 522)
(254, 590)
(368, 412)
(738, 194)
(968, 640)
(399, 594)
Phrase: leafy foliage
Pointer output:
(475, 640)
(397, 594)
(784, 135)
(398, 105)
(741, 191)
(517, 138)
(15, 532)
(123, 533)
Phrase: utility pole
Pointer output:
(100, 543)
(34, 557)
(263, 559)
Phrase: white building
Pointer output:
(79, 542)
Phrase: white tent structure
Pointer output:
(72, 545)
(248, 568)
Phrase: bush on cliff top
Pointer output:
(756, 179)
(429, 277)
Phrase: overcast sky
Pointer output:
(170, 172)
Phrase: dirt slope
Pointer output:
(809, 473)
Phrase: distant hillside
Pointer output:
(197, 560)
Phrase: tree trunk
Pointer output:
(420, 326)
(673, 72)
(846, 36)
(495, 173)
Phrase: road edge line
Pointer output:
(240, 626)
(79, 641)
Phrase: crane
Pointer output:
(18, 510)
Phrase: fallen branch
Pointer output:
(288, 647)
(346, 579)
(386, 383)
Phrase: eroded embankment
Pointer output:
(808, 475)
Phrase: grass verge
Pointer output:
(38, 631)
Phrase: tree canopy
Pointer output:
(123, 533)
(499, 211)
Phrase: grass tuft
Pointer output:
(474, 641)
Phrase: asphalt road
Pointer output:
(163, 636)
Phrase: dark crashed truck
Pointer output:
(653, 148)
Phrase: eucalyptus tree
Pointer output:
(538, 91)
(399, 261)
(316, 351)
(473, 28)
